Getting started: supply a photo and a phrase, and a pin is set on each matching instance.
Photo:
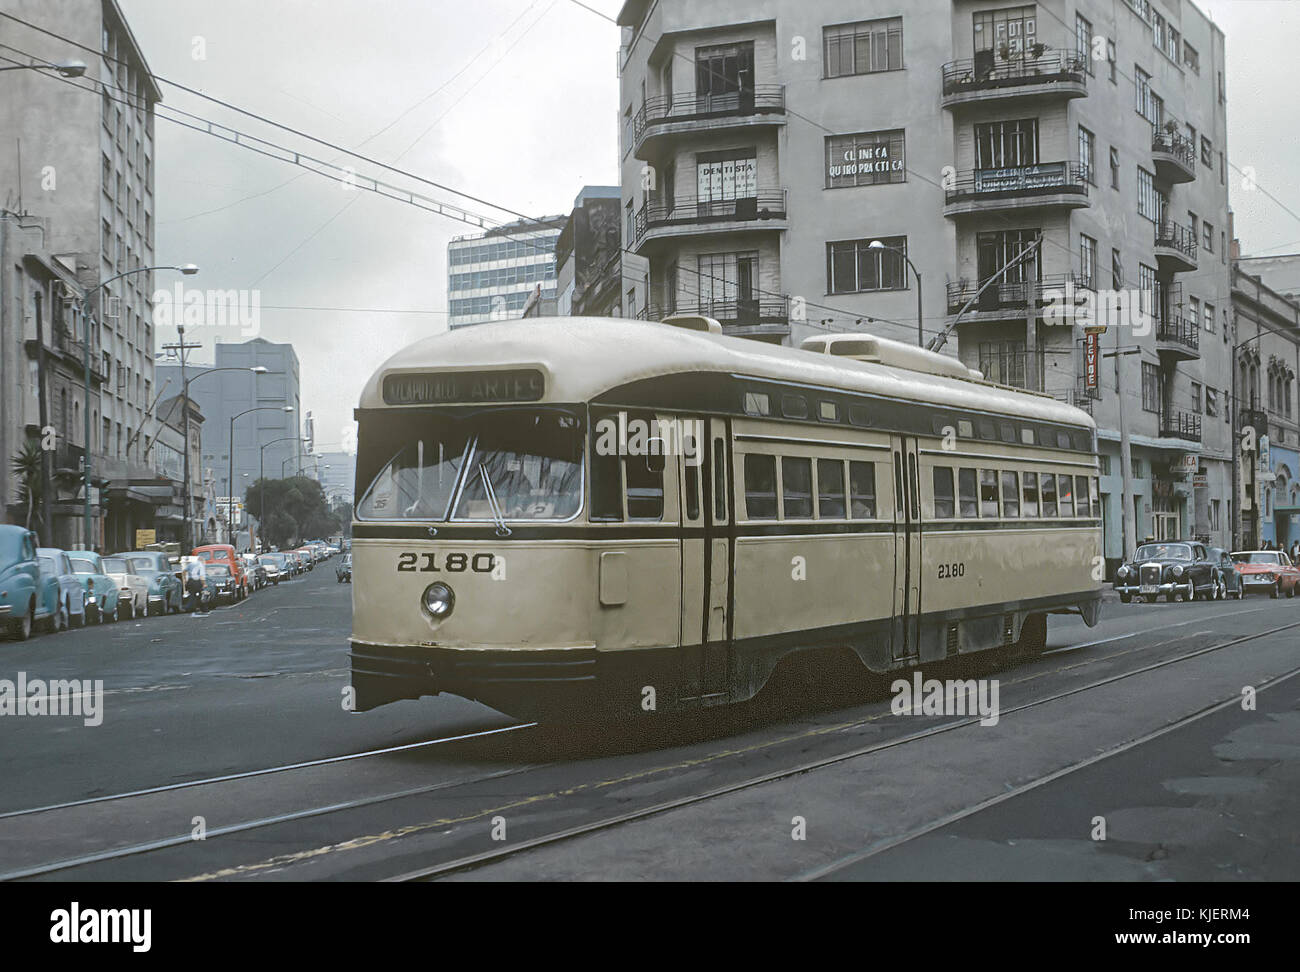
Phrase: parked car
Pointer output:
(165, 591)
(275, 567)
(21, 605)
(304, 555)
(102, 597)
(221, 582)
(132, 587)
(72, 598)
(257, 571)
(224, 553)
(1229, 576)
(344, 569)
(1267, 570)
(1176, 569)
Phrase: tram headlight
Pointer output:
(438, 601)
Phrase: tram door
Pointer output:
(716, 634)
(905, 634)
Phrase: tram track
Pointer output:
(485, 858)
(471, 862)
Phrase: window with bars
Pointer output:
(1003, 362)
(1087, 145)
(1083, 40)
(1148, 195)
(865, 47)
(865, 159)
(1010, 31)
(1147, 103)
(1004, 144)
(1150, 389)
(1087, 261)
(853, 266)
(1114, 167)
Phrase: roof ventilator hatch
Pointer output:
(894, 354)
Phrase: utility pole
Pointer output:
(181, 348)
(1128, 518)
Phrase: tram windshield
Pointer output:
(508, 464)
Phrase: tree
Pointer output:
(27, 465)
(295, 510)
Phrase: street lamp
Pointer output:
(920, 328)
(296, 455)
(230, 507)
(68, 69)
(188, 270)
(261, 475)
(185, 421)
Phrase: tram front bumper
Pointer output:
(509, 679)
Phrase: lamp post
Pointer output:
(187, 269)
(297, 455)
(261, 475)
(185, 420)
(67, 69)
(230, 499)
(920, 327)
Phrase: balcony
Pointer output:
(767, 319)
(986, 78)
(661, 219)
(1174, 155)
(685, 112)
(1080, 397)
(1015, 189)
(69, 460)
(1177, 338)
(1175, 247)
(1175, 424)
(1011, 300)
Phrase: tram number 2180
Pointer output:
(452, 563)
(949, 571)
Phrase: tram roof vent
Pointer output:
(693, 322)
(895, 354)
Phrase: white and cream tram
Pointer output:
(562, 514)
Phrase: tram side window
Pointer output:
(1048, 483)
(1065, 495)
(944, 500)
(692, 491)
(1096, 498)
(989, 492)
(760, 487)
(1081, 495)
(1010, 494)
(719, 480)
(796, 488)
(967, 493)
(1029, 506)
(645, 487)
(606, 487)
(862, 490)
(830, 489)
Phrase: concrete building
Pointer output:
(1266, 343)
(338, 473)
(87, 167)
(490, 276)
(766, 146)
(225, 394)
(588, 256)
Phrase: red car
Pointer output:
(1267, 570)
(224, 553)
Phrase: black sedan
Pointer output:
(1229, 576)
(1177, 569)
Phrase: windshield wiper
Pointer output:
(490, 490)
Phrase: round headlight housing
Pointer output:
(438, 601)
(1122, 572)
(1178, 570)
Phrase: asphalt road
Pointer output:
(214, 716)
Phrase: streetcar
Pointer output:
(602, 514)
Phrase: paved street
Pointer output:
(239, 700)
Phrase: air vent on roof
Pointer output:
(693, 322)
(895, 354)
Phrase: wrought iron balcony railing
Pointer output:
(986, 70)
(1173, 142)
(685, 210)
(1039, 178)
(1176, 237)
(757, 99)
(736, 312)
(1176, 329)
(1014, 295)
(1176, 424)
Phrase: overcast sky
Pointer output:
(515, 101)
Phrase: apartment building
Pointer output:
(973, 173)
(79, 154)
(492, 275)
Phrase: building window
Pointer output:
(1087, 262)
(1207, 152)
(1116, 269)
(1196, 397)
(853, 266)
(1087, 142)
(1194, 222)
(866, 47)
(1191, 58)
(865, 159)
(1148, 197)
(1003, 362)
(631, 223)
(1112, 62)
(728, 285)
(1114, 167)
(721, 176)
(1083, 40)
(1009, 31)
(1148, 289)
(1194, 310)
(1211, 402)
(1208, 235)
(1209, 317)
(1147, 104)
(1150, 389)
(1006, 144)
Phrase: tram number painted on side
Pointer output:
(452, 563)
(949, 571)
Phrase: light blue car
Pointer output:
(102, 597)
(70, 604)
(21, 585)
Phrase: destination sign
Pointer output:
(464, 387)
